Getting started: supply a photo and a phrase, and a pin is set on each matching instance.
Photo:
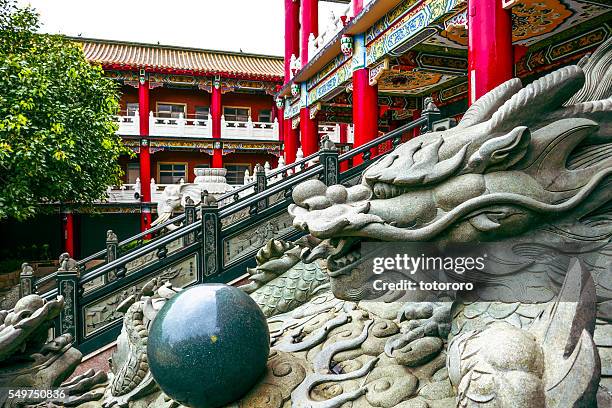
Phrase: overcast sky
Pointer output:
(255, 26)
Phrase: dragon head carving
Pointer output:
(521, 156)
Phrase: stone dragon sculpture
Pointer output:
(29, 360)
(528, 167)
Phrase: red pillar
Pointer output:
(344, 166)
(145, 157)
(280, 117)
(357, 6)
(365, 109)
(292, 47)
(68, 224)
(309, 130)
(217, 161)
(415, 115)
(490, 54)
(292, 33)
(310, 24)
(290, 142)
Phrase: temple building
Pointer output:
(183, 109)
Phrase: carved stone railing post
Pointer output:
(111, 253)
(211, 245)
(261, 183)
(26, 280)
(181, 124)
(190, 218)
(151, 122)
(329, 161)
(275, 132)
(431, 112)
(68, 287)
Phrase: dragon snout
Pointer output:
(315, 195)
(311, 195)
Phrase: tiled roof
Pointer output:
(160, 57)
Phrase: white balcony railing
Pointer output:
(191, 127)
(249, 129)
(333, 132)
(128, 125)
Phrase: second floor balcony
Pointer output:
(182, 126)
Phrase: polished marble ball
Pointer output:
(208, 345)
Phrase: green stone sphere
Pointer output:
(208, 345)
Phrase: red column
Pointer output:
(490, 55)
(290, 142)
(292, 33)
(292, 47)
(344, 166)
(415, 115)
(215, 109)
(145, 157)
(68, 224)
(309, 129)
(365, 109)
(310, 24)
(357, 6)
(281, 123)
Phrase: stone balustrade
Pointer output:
(333, 132)
(130, 192)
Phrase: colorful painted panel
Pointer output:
(391, 17)
(411, 82)
(327, 70)
(561, 53)
(532, 21)
(291, 110)
(417, 19)
(329, 85)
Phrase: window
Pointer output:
(170, 110)
(235, 173)
(133, 172)
(265, 115)
(202, 112)
(172, 173)
(236, 114)
(132, 108)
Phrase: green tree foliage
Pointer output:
(57, 134)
